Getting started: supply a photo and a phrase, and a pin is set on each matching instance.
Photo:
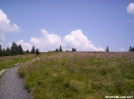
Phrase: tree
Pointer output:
(20, 50)
(73, 49)
(33, 50)
(56, 50)
(7, 52)
(27, 51)
(4, 52)
(131, 49)
(0, 50)
(107, 49)
(14, 49)
(60, 49)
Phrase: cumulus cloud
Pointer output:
(5, 26)
(130, 8)
(75, 39)
(25, 46)
(2, 38)
(48, 41)
(79, 41)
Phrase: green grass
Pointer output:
(83, 75)
(10, 61)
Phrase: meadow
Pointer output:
(79, 75)
(10, 61)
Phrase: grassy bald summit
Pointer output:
(79, 75)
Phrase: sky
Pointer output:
(87, 25)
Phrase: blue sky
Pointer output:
(87, 25)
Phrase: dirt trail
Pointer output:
(12, 86)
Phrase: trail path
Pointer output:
(12, 86)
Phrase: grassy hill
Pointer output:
(9, 61)
(79, 75)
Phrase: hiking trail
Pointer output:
(12, 86)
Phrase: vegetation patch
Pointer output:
(79, 75)
(10, 61)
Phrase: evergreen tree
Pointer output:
(33, 50)
(131, 49)
(73, 49)
(107, 49)
(14, 49)
(4, 52)
(20, 50)
(60, 49)
(27, 51)
(7, 52)
(56, 50)
(0, 50)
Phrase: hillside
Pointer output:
(10, 61)
(79, 75)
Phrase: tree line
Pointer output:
(15, 50)
(131, 49)
(60, 49)
(18, 50)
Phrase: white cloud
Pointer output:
(9, 44)
(24, 45)
(5, 26)
(122, 49)
(47, 41)
(50, 41)
(79, 41)
(51, 38)
(130, 8)
(2, 37)
(75, 39)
